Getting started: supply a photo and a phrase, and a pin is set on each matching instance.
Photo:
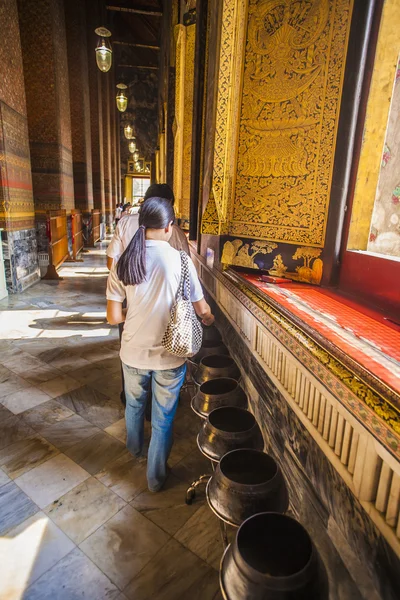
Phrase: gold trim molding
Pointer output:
(185, 48)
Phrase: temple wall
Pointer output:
(16, 198)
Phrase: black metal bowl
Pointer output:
(215, 366)
(229, 428)
(272, 558)
(246, 482)
(211, 334)
(210, 347)
(215, 393)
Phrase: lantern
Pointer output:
(103, 49)
(132, 147)
(136, 156)
(128, 131)
(122, 100)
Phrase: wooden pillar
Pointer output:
(106, 118)
(96, 91)
(198, 131)
(44, 52)
(185, 43)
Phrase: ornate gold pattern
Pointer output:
(294, 61)
(242, 254)
(310, 272)
(185, 46)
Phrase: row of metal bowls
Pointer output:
(272, 556)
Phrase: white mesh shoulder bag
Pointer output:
(184, 333)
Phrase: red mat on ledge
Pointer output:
(359, 332)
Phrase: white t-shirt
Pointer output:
(126, 229)
(149, 307)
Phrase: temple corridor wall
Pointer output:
(16, 198)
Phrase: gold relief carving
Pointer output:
(185, 47)
(309, 272)
(277, 116)
(242, 254)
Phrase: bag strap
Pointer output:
(184, 283)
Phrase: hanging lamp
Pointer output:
(122, 100)
(128, 131)
(136, 156)
(103, 49)
(132, 147)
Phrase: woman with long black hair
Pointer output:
(148, 275)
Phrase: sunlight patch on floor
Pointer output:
(17, 559)
(27, 324)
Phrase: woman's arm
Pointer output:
(204, 312)
(115, 313)
(110, 261)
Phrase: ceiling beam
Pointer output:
(136, 11)
(133, 45)
(150, 67)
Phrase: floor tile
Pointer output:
(92, 405)
(64, 359)
(11, 383)
(4, 413)
(39, 544)
(111, 365)
(69, 431)
(13, 429)
(181, 448)
(88, 373)
(73, 578)
(4, 478)
(124, 545)
(15, 507)
(105, 415)
(184, 577)
(41, 374)
(18, 402)
(95, 452)
(118, 430)
(110, 384)
(22, 362)
(201, 534)
(187, 423)
(168, 508)
(46, 414)
(192, 466)
(82, 398)
(49, 481)
(24, 455)
(82, 510)
(125, 476)
(59, 385)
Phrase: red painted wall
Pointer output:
(375, 279)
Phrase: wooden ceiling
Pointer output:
(136, 35)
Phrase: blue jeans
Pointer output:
(165, 385)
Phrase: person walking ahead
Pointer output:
(148, 275)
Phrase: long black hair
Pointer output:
(155, 213)
(161, 190)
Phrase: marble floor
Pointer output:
(76, 519)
